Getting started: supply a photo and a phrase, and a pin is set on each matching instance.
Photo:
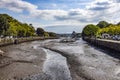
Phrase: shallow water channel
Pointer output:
(56, 66)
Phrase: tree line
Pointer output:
(102, 27)
(12, 27)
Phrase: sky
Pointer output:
(62, 16)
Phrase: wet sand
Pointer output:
(51, 60)
(86, 62)
(22, 60)
(30, 61)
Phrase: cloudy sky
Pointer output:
(62, 16)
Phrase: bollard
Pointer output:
(15, 41)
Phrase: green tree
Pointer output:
(40, 32)
(90, 30)
(102, 24)
(32, 30)
(46, 34)
(4, 25)
(52, 34)
(118, 23)
(12, 31)
(15, 27)
(112, 30)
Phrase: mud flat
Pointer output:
(21, 60)
(86, 62)
(55, 66)
(52, 60)
(30, 61)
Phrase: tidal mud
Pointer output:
(52, 60)
(87, 62)
(23, 60)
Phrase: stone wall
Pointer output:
(110, 44)
(21, 40)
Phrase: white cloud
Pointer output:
(105, 10)
(93, 12)
(48, 14)
(17, 5)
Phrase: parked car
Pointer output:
(116, 37)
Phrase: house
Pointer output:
(105, 36)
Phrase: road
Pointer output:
(52, 60)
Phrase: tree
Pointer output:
(112, 30)
(12, 31)
(40, 32)
(4, 25)
(30, 25)
(52, 34)
(90, 30)
(32, 29)
(29, 30)
(118, 23)
(102, 24)
(12, 27)
(21, 33)
(46, 34)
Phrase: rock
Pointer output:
(1, 53)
